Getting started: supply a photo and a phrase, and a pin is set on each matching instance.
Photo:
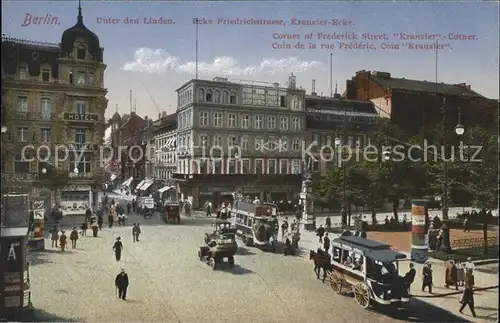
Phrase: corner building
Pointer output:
(239, 137)
(53, 94)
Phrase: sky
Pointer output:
(153, 60)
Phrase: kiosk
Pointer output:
(15, 287)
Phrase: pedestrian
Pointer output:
(326, 243)
(320, 233)
(451, 274)
(208, 208)
(409, 277)
(73, 236)
(468, 299)
(439, 239)
(134, 205)
(129, 206)
(427, 276)
(121, 283)
(62, 240)
(84, 228)
(469, 265)
(88, 214)
(117, 248)
(54, 236)
(328, 223)
(284, 229)
(460, 274)
(466, 224)
(95, 229)
(111, 216)
(100, 220)
(136, 231)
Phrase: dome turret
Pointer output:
(79, 30)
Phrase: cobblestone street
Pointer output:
(168, 283)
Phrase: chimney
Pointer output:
(313, 88)
(463, 85)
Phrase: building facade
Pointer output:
(126, 142)
(54, 96)
(350, 121)
(239, 137)
(165, 138)
(416, 105)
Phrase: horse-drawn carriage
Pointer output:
(219, 245)
(369, 269)
(171, 212)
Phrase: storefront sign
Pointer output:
(81, 117)
(12, 252)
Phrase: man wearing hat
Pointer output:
(121, 283)
(117, 248)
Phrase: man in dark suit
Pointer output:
(121, 283)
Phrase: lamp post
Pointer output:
(307, 220)
(459, 130)
(345, 208)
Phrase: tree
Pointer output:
(53, 180)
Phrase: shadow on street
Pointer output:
(39, 315)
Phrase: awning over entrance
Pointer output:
(146, 185)
(138, 187)
(128, 182)
(165, 188)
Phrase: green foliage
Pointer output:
(54, 180)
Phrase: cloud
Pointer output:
(158, 61)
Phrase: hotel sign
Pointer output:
(87, 117)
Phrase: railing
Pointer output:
(28, 42)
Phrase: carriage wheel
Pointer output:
(212, 263)
(230, 260)
(244, 239)
(362, 295)
(335, 282)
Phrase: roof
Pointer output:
(14, 232)
(423, 86)
(372, 249)
(364, 243)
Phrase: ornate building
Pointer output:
(165, 135)
(239, 137)
(53, 98)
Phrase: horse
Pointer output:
(321, 261)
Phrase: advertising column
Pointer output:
(419, 247)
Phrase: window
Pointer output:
(283, 144)
(231, 120)
(283, 166)
(45, 134)
(204, 119)
(80, 54)
(350, 141)
(225, 97)
(231, 166)
(80, 136)
(259, 143)
(245, 166)
(201, 95)
(218, 122)
(233, 140)
(204, 140)
(203, 166)
(218, 141)
(271, 122)
(217, 166)
(23, 73)
(232, 98)
(21, 165)
(82, 164)
(245, 121)
(282, 101)
(217, 96)
(22, 134)
(81, 77)
(208, 96)
(90, 78)
(46, 108)
(284, 123)
(296, 166)
(296, 123)
(258, 122)
(329, 140)
(71, 76)
(258, 166)
(244, 142)
(296, 144)
(45, 75)
(271, 166)
(22, 105)
(80, 107)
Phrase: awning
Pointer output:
(146, 185)
(128, 182)
(165, 188)
(138, 187)
(112, 178)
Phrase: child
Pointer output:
(460, 274)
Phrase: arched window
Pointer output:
(208, 96)
(201, 96)
(217, 96)
(232, 98)
(225, 97)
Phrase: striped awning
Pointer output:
(138, 187)
(165, 188)
(128, 182)
(147, 183)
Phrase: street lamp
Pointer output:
(459, 130)
(345, 208)
(44, 170)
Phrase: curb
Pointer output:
(453, 293)
(485, 262)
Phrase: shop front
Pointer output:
(76, 199)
